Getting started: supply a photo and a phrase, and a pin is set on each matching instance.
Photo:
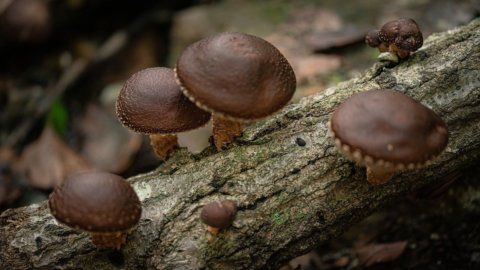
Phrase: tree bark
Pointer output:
(290, 197)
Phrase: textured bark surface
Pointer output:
(290, 197)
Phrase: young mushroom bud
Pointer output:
(387, 131)
(218, 215)
(103, 204)
(27, 21)
(151, 102)
(402, 37)
(238, 78)
(372, 39)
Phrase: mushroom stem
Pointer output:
(224, 131)
(379, 175)
(163, 144)
(383, 47)
(212, 230)
(401, 53)
(108, 240)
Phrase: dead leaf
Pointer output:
(48, 161)
(311, 89)
(308, 19)
(304, 62)
(378, 253)
(324, 41)
(9, 191)
(438, 188)
(107, 145)
(309, 261)
(309, 66)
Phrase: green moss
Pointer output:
(300, 215)
(280, 218)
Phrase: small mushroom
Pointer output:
(103, 204)
(26, 21)
(387, 131)
(372, 39)
(218, 215)
(402, 37)
(238, 78)
(151, 102)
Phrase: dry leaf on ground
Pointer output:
(48, 161)
(378, 253)
(324, 41)
(107, 145)
(9, 191)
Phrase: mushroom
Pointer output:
(26, 21)
(402, 37)
(151, 102)
(387, 131)
(373, 41)
(103, 204)
(218, 215)
(238, 78)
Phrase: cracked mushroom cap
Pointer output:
(236, 75)
(219, 214)
(404, 33)
(96, 202)
(388, 128)
(151, 102)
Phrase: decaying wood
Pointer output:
(291, 197)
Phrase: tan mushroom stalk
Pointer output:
(387, 132)
(218, 215)
(103, 204)
(151, 102)
(237, 77)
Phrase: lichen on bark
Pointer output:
(290, 197)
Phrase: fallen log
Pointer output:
(293, 188)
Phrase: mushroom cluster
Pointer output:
(103, 204)
(387, 131)
(399, 38)
(236, 77)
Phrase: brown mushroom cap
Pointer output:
(219, 214)
(372, 38)
(27, 21)
(151, 102)
(388, 126)
(236, 75)
(96, 202)
(404, 33)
